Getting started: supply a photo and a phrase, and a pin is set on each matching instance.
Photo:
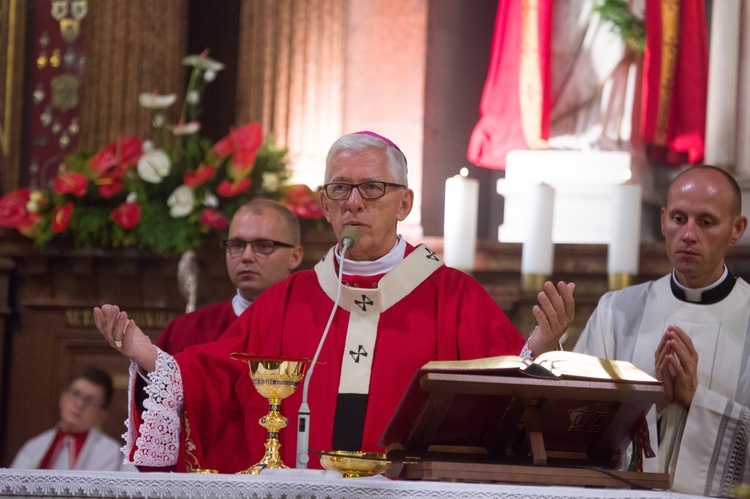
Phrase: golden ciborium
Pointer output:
(275, 378)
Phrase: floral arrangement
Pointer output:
(164, 194)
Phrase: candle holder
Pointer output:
(619, 280)
(275, 378)
(533, 283)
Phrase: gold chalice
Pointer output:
(275, 378)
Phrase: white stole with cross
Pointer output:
(366, 305)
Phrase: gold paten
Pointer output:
(275, 379)
(354, 464)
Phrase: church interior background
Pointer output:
(308, 71)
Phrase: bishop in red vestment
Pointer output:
(400, 307)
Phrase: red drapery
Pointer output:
(515, 106)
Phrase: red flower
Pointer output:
(229, 189)
(109, 184)
(242, 144)
(211, 217)
(71, 183)
(202, 174)
(13, 208)
(119, 155)
(302, 201)
(61, 217)
(127, 215)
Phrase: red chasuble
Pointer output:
(201, 326)
(448, 316)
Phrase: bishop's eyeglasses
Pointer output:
(235, 247)
(373, 189)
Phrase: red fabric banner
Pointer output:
(675, 83)
(515, 105)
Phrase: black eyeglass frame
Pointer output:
(237, 251)
(352, 186)
(86, 400)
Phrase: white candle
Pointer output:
(460, 223)
(625, 240)
(538, 251)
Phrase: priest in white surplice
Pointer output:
(690, 329)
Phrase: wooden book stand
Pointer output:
(518, 429)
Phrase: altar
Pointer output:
(280, 484)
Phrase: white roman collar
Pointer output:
(382, 265)
(239, 304)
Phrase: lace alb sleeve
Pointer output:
(157, 439)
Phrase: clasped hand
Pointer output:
(676, 365)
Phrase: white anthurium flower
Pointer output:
(209, 75)
(155, 101)
(211, 201)
(187, 128)
(36, 195)
(154, 166)
(35, 200)
(202, 61)
(181, 202)
(132, 197)
(270, 181)
(32, 206)
(193, 97)
(159, 120)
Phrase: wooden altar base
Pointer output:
(517, 474)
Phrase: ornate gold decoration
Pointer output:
(41, 60)
(64, 92)
(69, 14)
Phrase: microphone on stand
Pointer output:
(349, 239)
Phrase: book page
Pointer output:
(579, 365)
(484, 364)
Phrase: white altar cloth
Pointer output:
(295, 484)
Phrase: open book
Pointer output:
(558, 364)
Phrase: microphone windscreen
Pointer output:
(352, 234)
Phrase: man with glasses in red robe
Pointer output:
(263, 247)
